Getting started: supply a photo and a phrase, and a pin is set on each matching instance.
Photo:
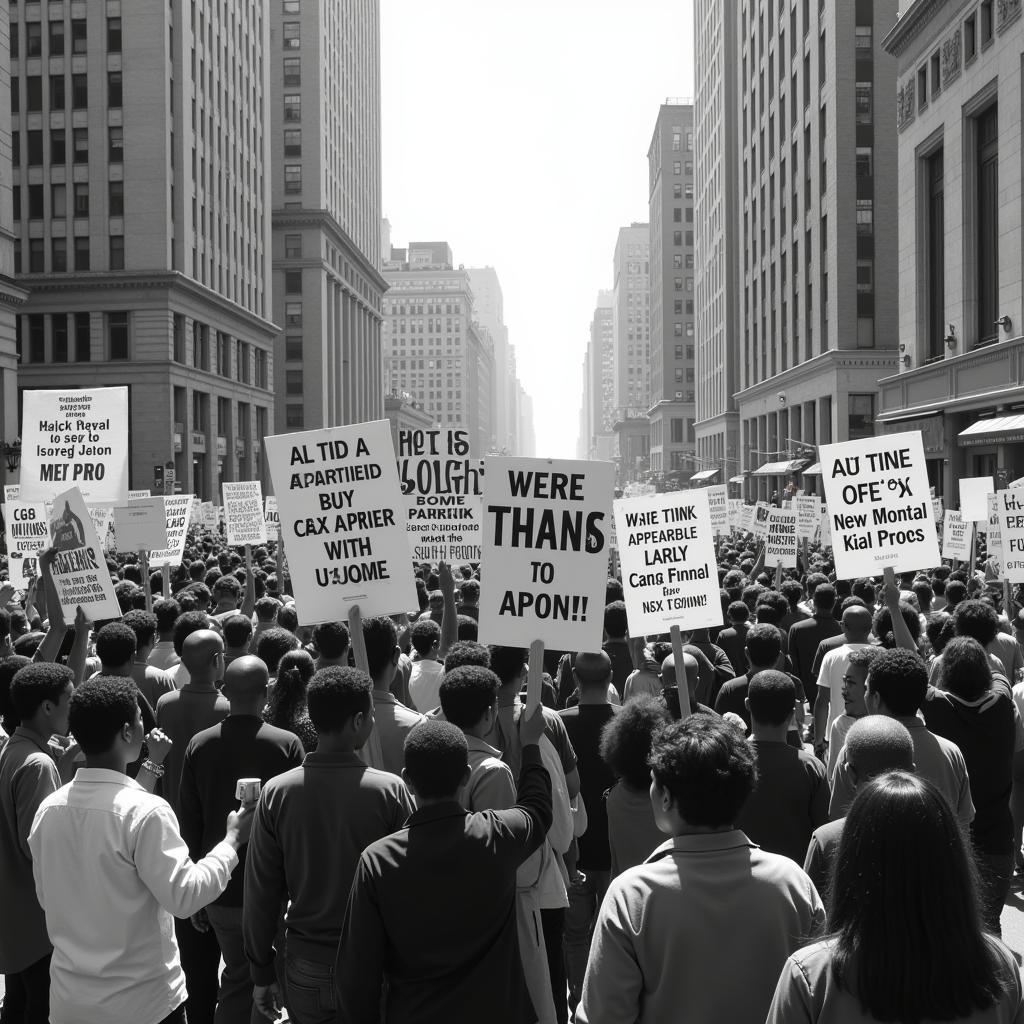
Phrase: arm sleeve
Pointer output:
(359, 963)
(264, 892)
(792, 1001)
(528, 822)
(554, 729)
(180, 885)
(613, 983)
(190, 809)
(820, 795)
(965, 805)
(815, 866)
(494, 789)
(33, 783)
(842, 790)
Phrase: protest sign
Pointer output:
(342, 521)
(442, 487)
(80, 574)
(669, 572)
(75, 438)
(747, 513)
(825, 528)
(956, 535)
(781, 540)
(937, 509)
(271, 517)
(1010, 510)
(734, 506)
(178, 513)
(102, 517)
(142, 492)
(974, 492)
(546, 535)
(28, 532)
(141, 525)
(808, 515)
(12, 492)
(879, 505)
(994, 537)
(760, 524)
(243, 513)
(718, 498)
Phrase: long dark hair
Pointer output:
(288, 697)
(908, 939)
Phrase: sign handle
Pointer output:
(535, 677)
(167, 580)
(144, 567)
(685, 710)
(1008, 601)
(806, 564)
(974, 534)
(355, 629)
(778, 574)
(280, 563)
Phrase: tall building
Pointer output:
(527, 432)
(326, 146)
(433, 347)
(141, 192)
(488, 305)
(961, 319)
(597, 417)
(671, 397)
(715, 167)
(817, 239)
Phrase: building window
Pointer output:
(293, 282)
(35, 202)
(83, 338)
(987, 219)
(58, 146)
(36, 338)
(117, 252)
(293, 314)
(293, 142)
(80, 139)
(117, 335)
(79, 92)
(113, 35)
(861, 416)
(862, 37)
(115, 198)
(56, 38)
(58, 201)
(56, 92)
(970, 38)
(115, 140)
(36, 256)
(179, 338)
(59, 323)
(293, 107)
(81, 253)
(985, 26)
(59, 255)
(35, 148)
(292, 178)
(292, 247)
(865, 277)
(293, 348)
(33, 94)
(293, 417)
(290, 35)
(290, 6)
(114, 91)
(293, 382)
(292, 71)
(81, 199)
(865, 217)
(865, 160)
(863, 100)
(78, 35)
(934, 250)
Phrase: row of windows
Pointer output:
(217, 358)
(58, 96)
(56, 33)
(59, 200)
(70, 337)
(58, 146)
(59, 254)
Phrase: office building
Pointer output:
(671, 392)
(715, 168)
(598, 401)
(326, 147)
(958, 111)
(817, 231)
(488, 305)
(141, 194)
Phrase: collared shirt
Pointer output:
(490, 786)
(111, 872)
(392, 722)
(28, 776)
(706, 923)
(152, 681)
(425, 684)
(163, 656)
(830, 677)
(804, 637)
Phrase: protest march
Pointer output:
(400, 734)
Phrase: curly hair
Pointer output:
(287, 699)
(626, 739)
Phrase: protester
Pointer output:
(152, 681)
(286, 707)
(853, 688)
(828, 700)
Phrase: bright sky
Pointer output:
(518, 133)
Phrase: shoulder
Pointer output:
(810, 763)
(813, 961)
(280, 784)
(384, 782)
(570, 713)
(171, 697)
(271, 735)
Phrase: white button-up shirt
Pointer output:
(111, 869)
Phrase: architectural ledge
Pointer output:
(827, 362)
(910, 25)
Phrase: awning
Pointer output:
(780, 468)
(996, 428)
(704, 474)
(814, 470)
(736, 479)
(897, 415)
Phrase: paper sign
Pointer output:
(1010, 509)
(80, 573)
(937, 509)
(141, 525)
(243, 513)
(760, 525)
(747, 514)
(669, 570)
(994, 537)
(142, 492)
(956, 535)
(545, 550)
(271, 517)
(879, 505)
(178, 513)
(442, 487)
(825, 528)
(75, 439)
(718, 498)
(780, 545)
(974, 492)
(342, 521)
(734, 506)
(28, 532)
(808, 515)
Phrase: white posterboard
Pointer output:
(879, 505)
(178, 513)
(272, 519)
(746, 518)
(669, 570)
(808, 515)
(937, 509)
(734, 506)
(956, 535)
(994, 536)
(141, 525)
(760, 524)
(974, 492)
(718, 507)
(1010, 509)
(342, 521)
(443, 489)
(142, 492)
(547, 527)
(781, 541)
(80, 574)
(75, 439)
(243, 513)
(825, 528)
(28, 532)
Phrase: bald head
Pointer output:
(857, 623)
(668, 671)
(246, 678)
(878, 744)
(200, 654)
(593, 670)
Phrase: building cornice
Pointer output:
(910, 25)
(11, 294)
(833, 360)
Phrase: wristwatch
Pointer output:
(154, 769)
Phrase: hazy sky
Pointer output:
(518, 133)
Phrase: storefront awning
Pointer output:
(704, 474)
(780, 468)
(995, 429)
(736, 479)
(814, 470)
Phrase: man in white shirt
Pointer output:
(111, 871)
(828, 703)
(427, 666)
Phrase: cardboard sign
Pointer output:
(808, 516)
(956, 535)
(825, 528)
(243, 513)
(994, 536)
(272, 519)
(75, 439)
(547, 528)
(937, 509)
(178, 514)
(80, 573)
(1010, 509)
(718, 498)
(734, 506)
(781, 542)
(28, 533)
(760, 524)
(141, 525)
(342, 521)
(669, 570)
(102, 517)
(879, 505)
(747, 514)
(974, 492)
(442, 487)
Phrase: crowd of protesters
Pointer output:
(829, 835)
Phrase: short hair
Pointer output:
(956, 591)
(9, 667)
(466, 652)
(626, 739)
(771, 608)
(923, 592)
(288, 618)
(227, 585)
(863, 657)
(792, 592)
(185, 625)
(5, 623)
(764, 644)
(707, 766)
(966, 671)
(28, 643)
(466, 694)
(36, 682)
(143, 625)
(468, 628)
(266, 609)
(865, 590)
(738, 611)
(166, 611)
(616, 623)
(612, 591)
(424, 635)
(976, 619)
(335, 695)
(237, 630)
(99, 709)
(882, 625)
(436, 757)
(273, 644)
(900, 680)
(772, 697)
(876, 744)
(380, 638)
(116, 644)
(824, 597)
(470, 591)
(507, 663)
(331, 639)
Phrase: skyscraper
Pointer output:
(326, 146)
(488, 306)
(597, 418)
(141, 196)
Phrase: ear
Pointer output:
(396, 655)
(746, 703)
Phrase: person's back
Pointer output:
(733, 639)
(616, 646)
(806, 634)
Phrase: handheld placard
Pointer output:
(535, 677)
(355, 629)
(681, 685)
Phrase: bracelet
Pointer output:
(154, 769)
